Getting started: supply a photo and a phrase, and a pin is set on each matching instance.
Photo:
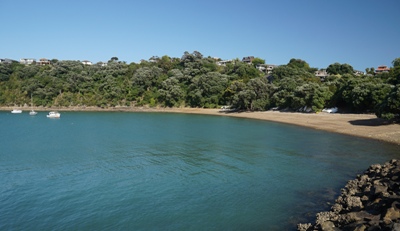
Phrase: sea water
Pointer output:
(160, 171)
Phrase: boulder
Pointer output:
(369, 202)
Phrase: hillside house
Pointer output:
(266, 68)
(43, 61)
(27, 61)
(322, 74)
(102, 64)
(248, 59)
(224, 62)
(86, 62)
(8, 61)
(382, 69)
(358, 73)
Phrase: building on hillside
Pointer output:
(382, 69)
(358, 73)
(27, 61)
(154, 59)
(86, 62)
(43, 61)
(322, 74)
(248, 59)
(266, 68)
(8, 61)
(102, 64)
(224, 62)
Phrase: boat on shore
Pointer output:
(16, 111)
(53, 114)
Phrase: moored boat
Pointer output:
(32, 112)
(53, 114)
(15, 111)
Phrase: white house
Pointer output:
(27, 61)
(86, 62)
(267, 68)
(356, 72)
(224, 62)
(101, 64)
(322, 74)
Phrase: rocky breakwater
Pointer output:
(370, 202)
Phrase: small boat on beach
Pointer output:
(16, 111)
(53, 114)
(330, 110)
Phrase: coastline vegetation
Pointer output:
(197, 81)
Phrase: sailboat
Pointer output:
(32, 112)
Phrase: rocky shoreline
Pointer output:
(369, 202)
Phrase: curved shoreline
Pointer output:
(361, 125)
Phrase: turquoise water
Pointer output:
(155, 171)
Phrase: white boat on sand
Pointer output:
(53, 114)
(330, 110)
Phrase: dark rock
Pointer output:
(396, 227)
(369, 202)
(379, 189)
(328, 226)
(361, 227)
(393, 213)
(304, 227)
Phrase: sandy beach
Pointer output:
(361, 125)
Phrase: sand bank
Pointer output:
(362, 125)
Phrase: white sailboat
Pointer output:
(32, 112)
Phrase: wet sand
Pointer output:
(361, 125)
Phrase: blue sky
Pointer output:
(361, 33)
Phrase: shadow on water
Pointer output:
(314, 201)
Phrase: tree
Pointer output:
(285, 71)
(165, 63)
(370, 71)
(207, 90)
(146, 77)
(171, 93)
(240, 70)
(339, 69)
(396, 62)
(257, 61)
(389, 109)
(5, 71)
(113, 59)
(298, 63)
(346, 69)
(253, 96)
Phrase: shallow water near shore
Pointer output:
(165, 171)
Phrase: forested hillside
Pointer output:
(197, 81)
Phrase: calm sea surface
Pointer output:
(155, 171)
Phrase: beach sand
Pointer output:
(361, 125)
